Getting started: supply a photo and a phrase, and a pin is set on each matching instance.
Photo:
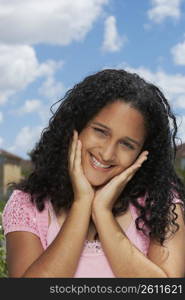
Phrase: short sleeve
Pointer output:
(177, 200)
(19, 214)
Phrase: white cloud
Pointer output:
(32, 105)
(53, 22)
(20, 67)
(49, 67)
(180, 102)
(112, 40)
(26, 139)
(1, 117)
(45, 115)
(181, 127)
(52, 89)
(178, 52)
(173, 88)
(37, 107)
(161, 9)
(172, 85)
(1, 141)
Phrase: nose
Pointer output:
(108, 154)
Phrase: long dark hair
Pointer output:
(157, 180)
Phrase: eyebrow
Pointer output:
(126, 137)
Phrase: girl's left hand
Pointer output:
(106, 196)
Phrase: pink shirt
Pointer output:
(20, 214)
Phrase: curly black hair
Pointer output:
(157, 180)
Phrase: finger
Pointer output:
(127, 174)
(77, 159)
(138, 163)
(142, 157)
(70, 148)
(130, 172)
(73, 149)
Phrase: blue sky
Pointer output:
(48, 46)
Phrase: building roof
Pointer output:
(181, 151)
(10, 155)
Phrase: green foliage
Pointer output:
(2, 204)
(25, 172)
(3, 264)
(181, 173)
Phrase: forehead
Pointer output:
(120, 117)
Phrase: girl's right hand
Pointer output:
(81, 187)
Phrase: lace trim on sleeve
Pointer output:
(177, 200)
(19, 214)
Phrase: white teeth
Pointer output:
(98, 164)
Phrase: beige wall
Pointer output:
(12, 172)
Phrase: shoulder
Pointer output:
(18, 201)
(177, 200)
(19, 213)
(171, 256)
(18, 198)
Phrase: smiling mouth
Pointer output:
(97, 165)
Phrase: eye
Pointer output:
(128, 145)
(99, 130)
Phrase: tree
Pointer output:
(3, 264)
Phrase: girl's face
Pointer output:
(111, 142)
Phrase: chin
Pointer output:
(94, 183)
(97, 183)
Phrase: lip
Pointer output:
(96, 167)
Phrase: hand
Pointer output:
(81, 187)
(106, 196)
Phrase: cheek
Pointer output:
(88, 140)
(84, 140)
(87, 144)
(128, 160)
